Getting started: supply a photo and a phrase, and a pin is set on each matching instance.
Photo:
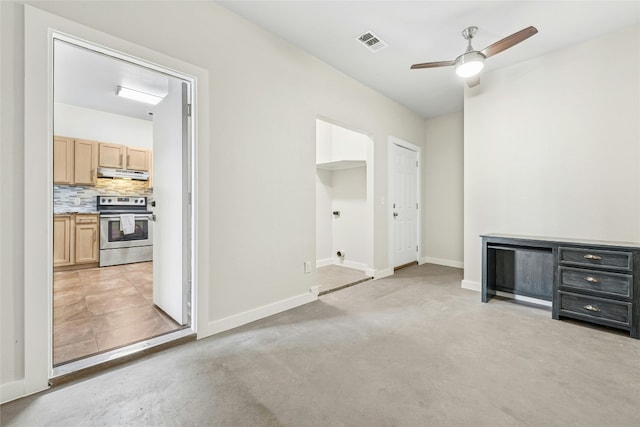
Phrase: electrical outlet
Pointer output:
(307, 266)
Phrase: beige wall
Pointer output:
(552, 147)
(264, 97)
(442, 191)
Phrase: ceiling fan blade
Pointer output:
(473, 81)
(508, 41)
(433, 64)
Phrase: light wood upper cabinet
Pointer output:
(137, 159)
(111, 155)
(86, 162)
(86, 238)
(63, 152)
(123, 157)
(74, 161)
(62, 247)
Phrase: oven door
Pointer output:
(111, 237)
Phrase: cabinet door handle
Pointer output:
(591, 307)
(591, 279)
(128, 159)
(120, 160)
(593, 257)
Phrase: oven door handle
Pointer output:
(152, 217)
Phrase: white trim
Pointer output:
(472, 286)
(350, 264)
(440, 261)
(258, 313)
(324, 262)
(12, 391)
(379, 274)
(108, 356)
(390, 237)
(531, 300)
(40, 27)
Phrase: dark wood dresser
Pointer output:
(592, 281)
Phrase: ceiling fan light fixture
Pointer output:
(469, 64)
(136, 95)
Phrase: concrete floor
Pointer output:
(411, 350)
(331, 278)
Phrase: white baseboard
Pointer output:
(350, 264)
(323, 262)
(258, 313)
(11, 391)
(473, 286)
(440, 261)
(379, 274)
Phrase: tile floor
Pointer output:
(100, 309)
(334, 277)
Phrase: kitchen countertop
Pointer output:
(69, 212)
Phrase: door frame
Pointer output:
(390, 194)
(40, 30)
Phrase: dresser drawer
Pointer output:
(615, 260)
(594, 309)
(604, 283)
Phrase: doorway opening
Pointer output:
(344, 207)
(122, 228)
(404, 203)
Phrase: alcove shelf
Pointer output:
(341, 164)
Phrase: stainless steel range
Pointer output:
(126, 230)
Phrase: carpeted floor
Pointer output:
(410, 350)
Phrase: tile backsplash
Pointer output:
(64, 196)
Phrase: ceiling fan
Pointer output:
(470, 63)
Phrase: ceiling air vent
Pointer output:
(371, 41)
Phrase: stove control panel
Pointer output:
(121, 201)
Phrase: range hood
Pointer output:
(123, 174)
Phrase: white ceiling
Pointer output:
(416, 31)
(89, 79)
(424, 31)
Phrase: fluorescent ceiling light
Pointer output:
(136, 95)
(469, 64)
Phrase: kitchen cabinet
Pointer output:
(74, 161)
(137, 159)
(123, 157)
(75, 240)
(86, 239)
(85, 162)
(111, 155)
(63, 151)
(62, 240)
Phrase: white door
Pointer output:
(404, 205)
(170, 194)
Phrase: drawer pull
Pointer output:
(591, 307)
(591, 279)
(593, 257)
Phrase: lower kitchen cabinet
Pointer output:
(75, 239)
(86, 239)
(61, 240)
